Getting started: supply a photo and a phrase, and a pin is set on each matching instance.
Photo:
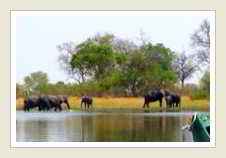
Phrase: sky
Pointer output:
(38, 33)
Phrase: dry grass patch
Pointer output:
(128, 103)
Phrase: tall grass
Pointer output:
(187, 104)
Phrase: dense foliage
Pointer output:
(112, 66)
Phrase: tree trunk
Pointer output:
(182, 84)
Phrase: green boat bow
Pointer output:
(200, 128)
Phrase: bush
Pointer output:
(200, 94)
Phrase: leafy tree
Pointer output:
(159, 60)
(110, 64)
(94, 57)
(205, 82)
(133, 71)
(35, 79)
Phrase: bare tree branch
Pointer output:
(201, 42)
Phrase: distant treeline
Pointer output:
(92, 89)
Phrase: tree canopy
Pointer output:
(116, 64)
(35, 79)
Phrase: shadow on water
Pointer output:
(102, 127)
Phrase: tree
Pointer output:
(124, 46)
(133, 72)
(205, 82)
(60, 83)
(201, 42)
(160, 65)
(150, 67)
(111, 64)
(67, 50)
(94, 58)
(35, 79)
(184, 67)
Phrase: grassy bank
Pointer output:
(130, 103)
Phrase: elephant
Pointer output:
(45, 102)
(169, 101)
(154, 96)
(30, 102)
(64, 99)
(172, 99)
(54, 102)
(177, 100)
(36, 101)
(88, 101)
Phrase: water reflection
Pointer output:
(104, 127)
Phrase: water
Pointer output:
(102, 127)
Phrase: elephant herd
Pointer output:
(45, 102)
(170, 99)
(48, 102)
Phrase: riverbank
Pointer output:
(124, 103)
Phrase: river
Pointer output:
(84, 126)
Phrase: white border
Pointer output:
(15, 14)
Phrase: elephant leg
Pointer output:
(86, 105)
(26, 108)
(160, 103)
(55, 109)
(90, 105)
(145, 104)
(81, 104)
(68, 106)
(47, 107)
(167, 104)
(40, 107)
(59, 107)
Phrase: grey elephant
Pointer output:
(169, 101)
(45, 102)
(64, 99)
(172, 99)
(41, 102)
(87, 101)
(30, 102)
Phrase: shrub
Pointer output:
(200, 94)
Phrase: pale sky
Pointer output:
(37, 35)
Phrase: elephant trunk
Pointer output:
(68, 106)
